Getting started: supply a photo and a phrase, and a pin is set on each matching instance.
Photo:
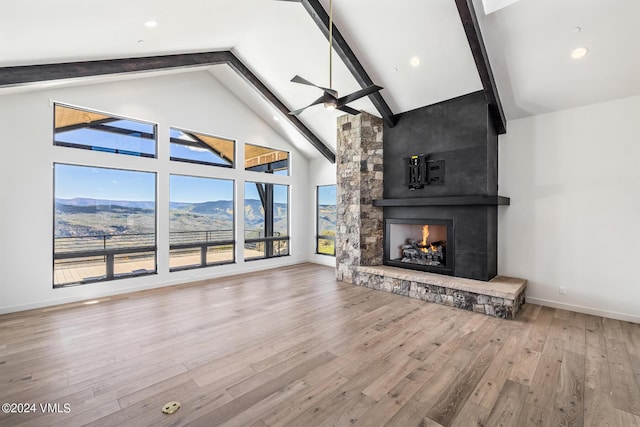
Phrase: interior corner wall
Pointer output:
(574, 219)
(321, 172)
(190, 100)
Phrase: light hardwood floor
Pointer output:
(294, 347)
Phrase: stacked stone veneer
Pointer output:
(501, 297)
(359, 182)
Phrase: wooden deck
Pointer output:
(295, 347)
(80, 272)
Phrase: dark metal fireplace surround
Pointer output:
(441, 169)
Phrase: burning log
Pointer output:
(431, 254)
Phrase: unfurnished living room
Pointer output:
(320, 213)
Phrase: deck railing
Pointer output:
(78, 251)
(204, 241)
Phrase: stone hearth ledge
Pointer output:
(500, 297)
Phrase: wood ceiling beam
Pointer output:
(12, 76)
(251, 78)
(474, 37)
(321, 18)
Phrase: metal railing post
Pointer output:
(203, 255)
(110, 266)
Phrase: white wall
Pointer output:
(574, 221)
(194, 101)
(321, 172)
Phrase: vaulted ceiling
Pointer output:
(529, 43)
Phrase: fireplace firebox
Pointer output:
(420, 244)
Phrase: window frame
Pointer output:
(204, 246)
(109, 254)
(269, 240)
(202, 162)
(105, 149)
(318, 235)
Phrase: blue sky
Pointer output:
(189, 189)
(327, 195)
(114, 184)
(113, 141)
(102, 183)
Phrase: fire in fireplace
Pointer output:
(425, 252)
(420, 244)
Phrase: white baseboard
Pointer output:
(327, 260)
(249, 267)
(634, 318)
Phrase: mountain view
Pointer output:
(327, 220)
(92, 217)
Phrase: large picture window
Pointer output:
(90, 130)
(201, 222)
(326, 220)
(104, 224)
(194, 147)
(266, 160)
(266, 220)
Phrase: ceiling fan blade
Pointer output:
(298, 79)
(358, 94)
(324, 98)
(349, 110)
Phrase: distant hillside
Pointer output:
(77, 209)
(82, 201)
(217, 215)
(94, 217)
(84, 216)
(326, 218)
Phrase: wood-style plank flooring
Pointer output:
(293, 346)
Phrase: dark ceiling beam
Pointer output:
(11, 76)
(345, 53)
(474, 37)
(251, 78)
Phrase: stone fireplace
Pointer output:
(422, 197)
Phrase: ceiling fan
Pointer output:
(330, 98)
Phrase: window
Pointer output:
(266, 220)
(104, 224)
(267, 160)
(200, 222)
(90, 130)
(326, 220)
(192, 147)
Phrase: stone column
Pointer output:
(359, 182)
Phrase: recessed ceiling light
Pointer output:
(579, 52)
(576, 30)
(140, 41)
(276, 118)
(415, 61)
(151, 24)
